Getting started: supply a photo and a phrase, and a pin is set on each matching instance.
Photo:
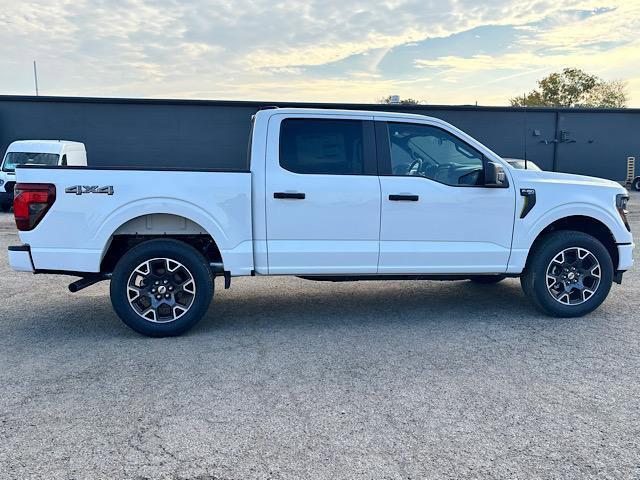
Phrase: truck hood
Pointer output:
(564, 179)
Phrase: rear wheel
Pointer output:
(487, 279)
(161, 287)
(636, 184)
(569, 274)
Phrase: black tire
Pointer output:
(534, 278)
(635, 184)
(487, 279)
(193, 267)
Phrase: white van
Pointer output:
(36, 152)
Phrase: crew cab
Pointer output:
(36, 152)
(324, 195)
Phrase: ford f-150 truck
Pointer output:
(325, 195)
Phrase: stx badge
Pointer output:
(82, 189)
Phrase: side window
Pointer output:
(426, 151)
(63, 162)
(333, 147)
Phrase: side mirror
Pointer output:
(495, 176)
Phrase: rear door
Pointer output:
(437, 216)
(322, 195)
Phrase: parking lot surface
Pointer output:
(292, 379)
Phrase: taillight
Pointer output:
(30, 203)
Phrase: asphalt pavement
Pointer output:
(291, 379)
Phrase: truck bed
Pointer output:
(94, 204)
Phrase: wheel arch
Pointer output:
(138, 222)
(580, 223)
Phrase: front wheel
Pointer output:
(636, 184)
(569, 274)
(161, 287)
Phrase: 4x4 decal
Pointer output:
(82, 189)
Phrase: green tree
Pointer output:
(574, 88)
(404, 101)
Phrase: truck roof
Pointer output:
(332, 111)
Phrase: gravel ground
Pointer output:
(287, 378)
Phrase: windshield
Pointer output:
(23, 158)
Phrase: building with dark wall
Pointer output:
(201, 133)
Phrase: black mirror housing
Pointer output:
(495, 176)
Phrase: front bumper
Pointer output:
(625, 256)
(20, 258)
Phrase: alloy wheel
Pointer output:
(161, 290)
(573, 276)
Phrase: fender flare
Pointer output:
(160, 205)
(577, 209)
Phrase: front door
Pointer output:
(437, 217)
(322, 195)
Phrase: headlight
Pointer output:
(621, 204)
(1, 182)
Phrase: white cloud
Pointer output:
(619, 24)
(475, 63)
(259, 49)
(605, 44)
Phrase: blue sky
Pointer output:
(440, 52)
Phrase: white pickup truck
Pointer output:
(325, 195)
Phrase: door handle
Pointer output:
(405, 198)
(292, 195)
